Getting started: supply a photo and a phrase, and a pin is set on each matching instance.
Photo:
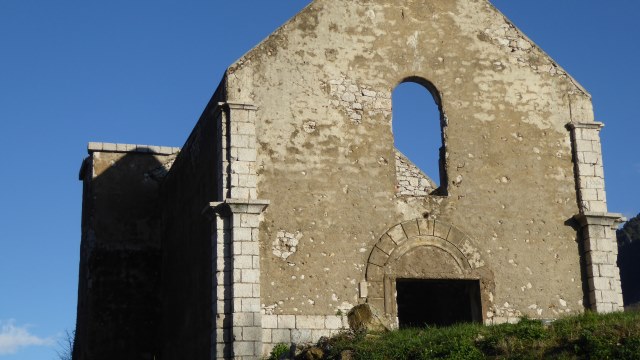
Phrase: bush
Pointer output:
(278, 351)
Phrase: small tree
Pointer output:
(65, 345)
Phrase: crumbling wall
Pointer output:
(119, 283)
(411, 181)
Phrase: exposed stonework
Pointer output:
(355, 100)
(300, 329)
(521, 49)
(238, 318)
(411, 180)
(589, 169)
(601, 255)
(596, 224)
(288, 204)
(285, 244)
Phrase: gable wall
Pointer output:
(328, 168)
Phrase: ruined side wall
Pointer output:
(411, 181)
(119, 283)
(187, 261)
(326, 161)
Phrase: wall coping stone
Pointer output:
(585, 125)
(247, 206)
(599, 218)
(239, 106)
(131, 148)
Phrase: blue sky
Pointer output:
(142, 71)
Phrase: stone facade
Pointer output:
(288, 204)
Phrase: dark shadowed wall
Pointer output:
(118, 290)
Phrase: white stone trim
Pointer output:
(589, 170)
(601, 254)
(238, 316)
(238, 150)
(131, 148)
(597, 226)
(299, 329)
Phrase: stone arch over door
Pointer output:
(423, 249)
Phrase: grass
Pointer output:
(587, 336)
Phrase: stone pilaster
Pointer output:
(238, 332)
(597, 225)
(601, 255)
(222, 334)
(587, 153)
(238, 313)
(239, 151)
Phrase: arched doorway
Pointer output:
(427, 272)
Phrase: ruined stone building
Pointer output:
(288, 204)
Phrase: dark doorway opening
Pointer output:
(437, 302)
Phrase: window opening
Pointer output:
(417, 129)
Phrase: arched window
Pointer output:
(418, 123)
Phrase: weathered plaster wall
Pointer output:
(119, 284)
(326, 157)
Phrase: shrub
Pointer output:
(278, 351)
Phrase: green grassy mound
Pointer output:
(588, 336)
